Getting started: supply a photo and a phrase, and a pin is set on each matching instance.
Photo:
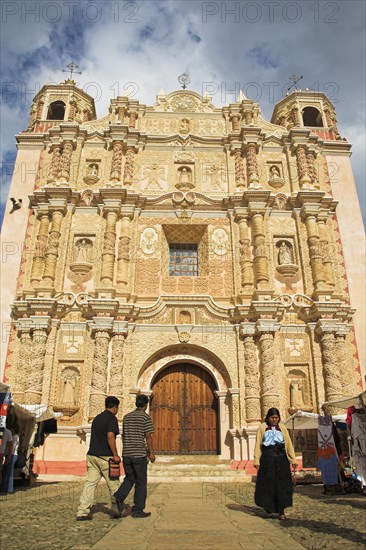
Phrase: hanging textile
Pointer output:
(327, 452)
(358, 433)
(5, 400)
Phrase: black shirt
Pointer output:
(102, 424)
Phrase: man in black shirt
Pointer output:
(104, 430)
(137, 430)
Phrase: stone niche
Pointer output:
(285, 257)
(82, 261)
(275, 174)
(68, 390)
(298, 394)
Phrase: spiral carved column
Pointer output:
(326, 252)
(332, 382)
(302, 167)
(252, 166)
(260, 262)
(252, 389)
(55, 169)
(132, 120)
(129, 166)
(23, 367)
(124, 251)
(51, 253)
(99, 375)
(239, 170)
(246, 262)
(116, 168)
(108, 254)
(269, 395)
(316, 261)
(310, 157)
(116, 372)
(34, 382)
(235, 123)
(66, 161)
(40, 249)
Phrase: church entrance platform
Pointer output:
(199, 516)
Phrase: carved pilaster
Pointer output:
(66, 161)
(40, 249)
(270, 392)
(23, 367)
(252, 388)
(51, 253)
(341, 357)
(239, 170)
(235, 123)
(116, 372)
(55, 168)
(302, 167)
(260, 262)
(248, 117)
(129, 166)
(326, 250)
(246, 262)
(98, 390)
(116, 168)
(310, 157)
(121, 113)
(108, 254)
(316, 261)
(235, 394)
(332, 382)
(252, 165)
(124, 251)
(132, 120)
(34, 382)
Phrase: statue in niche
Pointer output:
(154, 172)
(93, 170)
(82, 251)
(284, 254)
(184, 126)
(296, 394)
(185, 178)
(274, 172)
(70, 378)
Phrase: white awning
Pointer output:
(302, 420)
(39, 412)
(357, 401)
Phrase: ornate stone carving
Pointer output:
(314, 250)
(129, 166)
(269, 395)
(117, 366)
(216, 175)
(252, 166)
(185, 179)
(52, 249)
(239, 170)
(33, 391)
(252, 389)
(310, 157)
(66, 161)
(40, 249)
(108, 254)
(116, 168)
(302, 167)
(124, 252)
(326, 252)
(260, 262)
(220, 242)
(149, 240)
(23, 367)
(98, 390)
(154, 173)
(333, 389)
(55, 167)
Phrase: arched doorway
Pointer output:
(184, 411)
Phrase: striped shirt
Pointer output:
(135, 426)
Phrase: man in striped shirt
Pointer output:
(137, 430)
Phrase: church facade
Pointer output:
(203, 256)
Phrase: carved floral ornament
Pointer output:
(149, 240)
(220, 241)
(297, 300)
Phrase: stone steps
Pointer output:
(180, 469)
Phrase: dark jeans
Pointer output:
(135, 474)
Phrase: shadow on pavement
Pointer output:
(328, 528)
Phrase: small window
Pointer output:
(56, 111)
(183, 260)
(312, 117)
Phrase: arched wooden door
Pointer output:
(184, 411)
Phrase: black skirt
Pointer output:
(273, 490)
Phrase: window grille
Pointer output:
(183, 260)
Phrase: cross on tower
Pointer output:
(71, 66)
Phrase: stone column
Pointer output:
(66, 161)
(72, 111)
(116, 168)
(246, 262)
(326, 331)
(51, 253)
(108, 254)
(252, 166)
(269, 394)
(24, 357)
(325, 251)
(40, 248)
(316, 262)
(129, 166)
(132, 120)
(235, 123)
(40, 109)
(34, 382)
(252, 388)
(234, 393)
(55, 167)
(295, 116)
(223, 422)
(98, 390)
(121, 112)
(239, 170)
(310, 157)
(260, 262)
(248, 118)
(116, 371)
(302, 167)
(124, 251)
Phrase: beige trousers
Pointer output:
(97, 467)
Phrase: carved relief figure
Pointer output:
(296, 394)
(184, 318)
(284, 254)
(220, 242)
(82, 250)
(215, 174)
(274, 172)
(70, 381)
(184, 126)
(185, 178)
(149, 240)
(154, 172)
(93, 170)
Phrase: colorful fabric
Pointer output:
(272, 436)
(327, 452)
(359, 445)
(5, 400)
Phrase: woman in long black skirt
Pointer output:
(273, 455)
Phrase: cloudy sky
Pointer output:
(138, 47)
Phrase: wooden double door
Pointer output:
(184, 411)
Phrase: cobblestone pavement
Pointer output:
(43, 518)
